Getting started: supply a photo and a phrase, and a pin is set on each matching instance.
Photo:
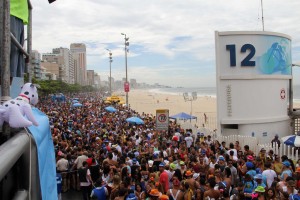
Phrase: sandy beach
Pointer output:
(149, 102)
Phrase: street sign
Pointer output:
(162, 119)
(126, 87)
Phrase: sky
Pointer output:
(172, 42)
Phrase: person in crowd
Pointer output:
(163, 177)
(85, 180)
(100, 191)
(211, 192)
(286, 171)
(276, 142)
(269, 173)
(130, 161)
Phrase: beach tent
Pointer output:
(135, 120)
(182, 116)
(77, 105)
(110, 109)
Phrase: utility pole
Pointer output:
(126, 44)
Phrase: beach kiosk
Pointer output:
(253, 70)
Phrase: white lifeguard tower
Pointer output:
(254, 76)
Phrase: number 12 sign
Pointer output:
(246, 62)
(252, 52)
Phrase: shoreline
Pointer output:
(149, 100)
(145, 101)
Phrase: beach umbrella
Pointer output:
(77, 105)
(291, 140)
(135, 120)
(110, 109)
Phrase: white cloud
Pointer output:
(153, 25)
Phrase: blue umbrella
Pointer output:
(292, 140)
(110, 109)
(135, 120)
(77, 105)
(75, 101)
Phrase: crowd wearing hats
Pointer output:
(105, 157)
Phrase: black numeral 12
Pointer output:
(247, 60)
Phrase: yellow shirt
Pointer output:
(278, 167)
(19, 9)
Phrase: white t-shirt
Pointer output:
(212, 165)
(234, 152)
(189, 141)
(270, 174)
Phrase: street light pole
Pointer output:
(110, 61)
(191, 99)
(126, 44)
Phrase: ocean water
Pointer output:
(210, 91)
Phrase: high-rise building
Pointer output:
(97, 80)
(133, 83)
(51, 68)
(67, 65)
(79, 54)
(36, 64)
(49, 59)
(90, 77)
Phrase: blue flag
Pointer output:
(46, 155)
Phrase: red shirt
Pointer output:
(164, 180)
(89, 161)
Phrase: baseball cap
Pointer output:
(155, 192)
(131, 196)
(188, 173)
(162, 164)
(249, 165)
(258, 176)
(250, 158)
(260, 189)
(173, 166)
(134, 160)
(286, 163)
(221, 158)
(164, 197)
(196, 175)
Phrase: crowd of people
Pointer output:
(105, 157)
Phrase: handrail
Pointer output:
(21, 150)
(11, 151)
(21, 195)
(15, 41)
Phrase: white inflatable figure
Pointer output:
(13, 111)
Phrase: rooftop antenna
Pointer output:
(262, 15)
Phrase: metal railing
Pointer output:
(19, 168)
(19, 173)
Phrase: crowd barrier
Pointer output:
(70, 181)
(255, 146)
